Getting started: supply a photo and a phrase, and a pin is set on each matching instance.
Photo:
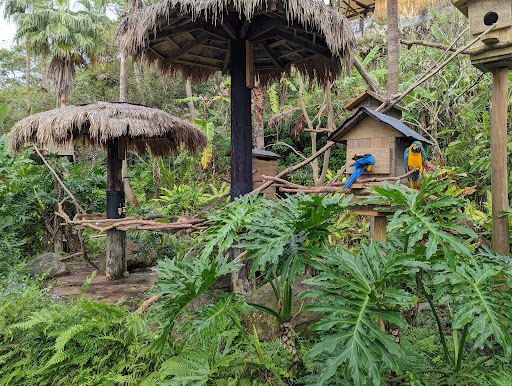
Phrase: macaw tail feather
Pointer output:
(357, 172)
(415, 184)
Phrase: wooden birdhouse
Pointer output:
(384, 137)
(263, 163)
(495, 48)
(373, 100)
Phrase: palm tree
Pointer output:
(68, 35)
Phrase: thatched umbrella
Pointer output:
(118, 127)
(244, 38)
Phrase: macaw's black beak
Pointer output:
(416, 148)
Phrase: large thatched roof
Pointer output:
(193, 37)
(97, 123)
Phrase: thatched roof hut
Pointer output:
(98, 123)
(193, 37)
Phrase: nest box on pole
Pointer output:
(494, 50)
(494, 54)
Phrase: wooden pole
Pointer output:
(499, 174)
(378, 228)
(241, 123)
(241, 148)
(116, 240)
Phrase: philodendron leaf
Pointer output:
(356, 295)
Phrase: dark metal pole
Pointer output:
(241, 123)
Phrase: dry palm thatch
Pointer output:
(97, 123)
(193, 37)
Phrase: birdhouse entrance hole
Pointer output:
(491, 18)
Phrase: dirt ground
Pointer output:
(130, 291)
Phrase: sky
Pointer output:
(7, 31)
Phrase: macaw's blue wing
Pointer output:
(406, 156)
(357, 173)
(424, 155)
(360, 165)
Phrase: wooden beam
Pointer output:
(226, 60)
(187, 48)
(249, 64)
(156, 53)
(205, 59)
(214, 47)
(499, 174)
(229, 30)
(272, 57)
(244, 29)
(308, 45)
(172, 42)
(194, 64)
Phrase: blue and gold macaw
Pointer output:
(365, 162)
(415, 157)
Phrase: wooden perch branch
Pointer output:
(289, 147)
(386, 106)
(366, 76)
(60, 181)
(289, 187)
(295, 167)
(410, 43)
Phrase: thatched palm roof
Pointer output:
(97, 123)
(192, 37)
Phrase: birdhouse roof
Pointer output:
(461, 5)
(363, 112)
(263, 154)
(354, 103)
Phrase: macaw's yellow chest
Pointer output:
(415, 160)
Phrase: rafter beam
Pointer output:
(271, 55)
(187, 48)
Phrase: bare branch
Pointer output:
(288, 146)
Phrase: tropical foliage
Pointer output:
(429, 306)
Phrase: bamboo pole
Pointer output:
(499, 174)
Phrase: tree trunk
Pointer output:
(27, 70)
(258, 132)
(393, 48)
(157, 177)
(188, 90)
(122, 78)
(62, 100)
(27, 79)
(116, 240)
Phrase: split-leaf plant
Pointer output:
(429, 256)
(280, 240)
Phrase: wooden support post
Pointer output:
(499, 174)
(241, 123)
(241, 147)
(378, 231)
(116, 240)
